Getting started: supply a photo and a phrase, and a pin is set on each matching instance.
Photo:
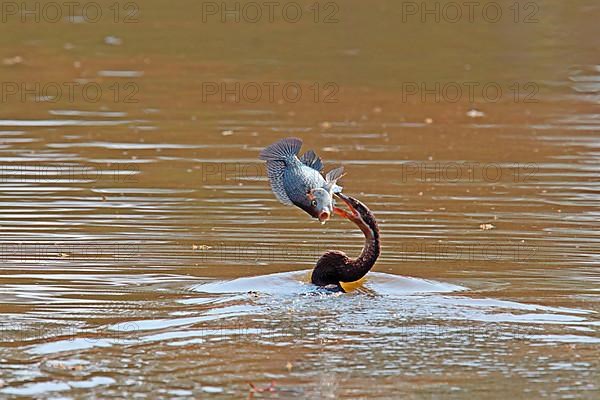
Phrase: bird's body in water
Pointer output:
(336, 268)
(298, 181)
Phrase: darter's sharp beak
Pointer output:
(353, 215)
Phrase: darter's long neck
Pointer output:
(359, 267)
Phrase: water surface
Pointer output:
(142, 252)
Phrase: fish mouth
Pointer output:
(323, 217)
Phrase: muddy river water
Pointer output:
(143, 255)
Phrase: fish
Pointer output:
(298, 180)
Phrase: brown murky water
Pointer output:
(136, 218)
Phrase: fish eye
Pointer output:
(313, 203)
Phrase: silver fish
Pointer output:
(298, 181)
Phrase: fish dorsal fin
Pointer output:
(311, 159)
(282, 150)
(275, 170)
(332, 177)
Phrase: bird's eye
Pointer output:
(313, 203)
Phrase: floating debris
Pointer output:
(351, 52)
(76, 19)
(270, 388)
(10, 61)
(113, 41)
(227, 133)
(61, 365)
(377, 110)
(200, 247)
(487, 227)
(325, 125)
(473, 113)
(429, 120)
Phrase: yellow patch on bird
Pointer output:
(350, 286)
(347, 286)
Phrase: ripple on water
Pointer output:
(64, 122)
(297, 282)
(79, 113)
(120, 74)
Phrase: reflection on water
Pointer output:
(142, 251)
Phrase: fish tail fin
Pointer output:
(332, 177)
(282, 150)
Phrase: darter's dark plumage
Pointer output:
(335, 267)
